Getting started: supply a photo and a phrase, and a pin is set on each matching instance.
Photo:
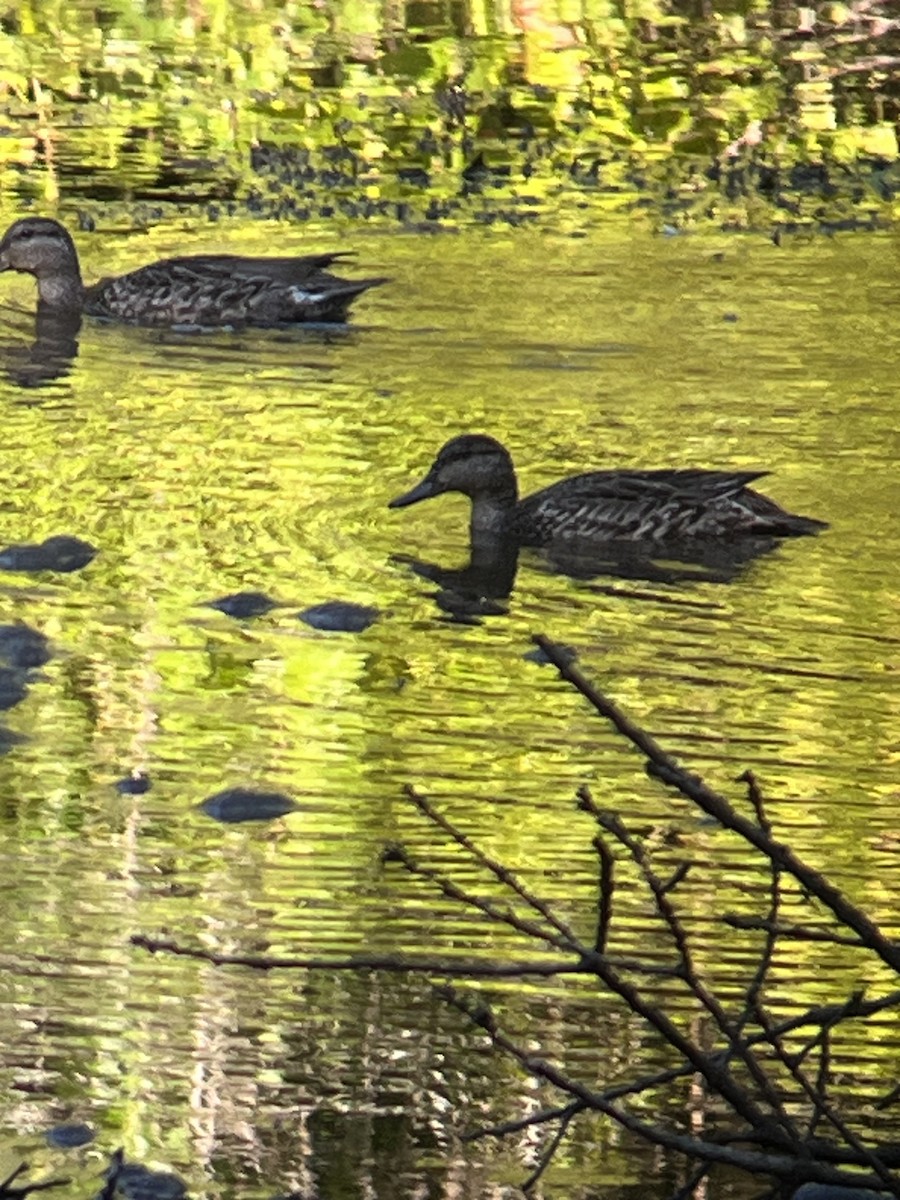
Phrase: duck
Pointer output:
(201, 290)
(653, 507)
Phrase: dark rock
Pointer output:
(339, 616)
(57, 553)
(243, 604)
(65, 1137)
(13, 687)
(245, 804)
(21, 646)
(137, 1182)
(134, 784)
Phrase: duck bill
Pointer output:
(422, 491)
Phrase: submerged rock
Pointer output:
(243, 604)
(22, 646)
(68, 1136)
(339, 616)
(134, 784)
(58, 553)
(137, 1182)
(245, 804)
(13, 687)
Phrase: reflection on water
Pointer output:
(45, 353)
(208, 466)
(473, 590)
(477, 589)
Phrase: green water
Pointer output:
(205, 464)
(208, 464)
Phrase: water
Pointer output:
(206, 464)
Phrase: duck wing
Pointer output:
(691, 484)
(285, 270)
(211, 290)
(643, 505)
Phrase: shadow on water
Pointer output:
(50, 354)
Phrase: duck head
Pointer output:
(479, 467)
(474, 464)
(44, 249)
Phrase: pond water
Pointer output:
(205, 464)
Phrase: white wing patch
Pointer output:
(300, 295)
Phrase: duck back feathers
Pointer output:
(674, 505)
(226, 290)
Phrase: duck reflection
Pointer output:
(479, 589)
(49, 356)
(484, 585)
(660, 562)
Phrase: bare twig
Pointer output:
(693, 788)
(755, 1062)
(798, 933)
(504, 1128)
(547, 1157)
(781, 1166)
(692, 1182)
(395, 963)
(605, 886)
(500, 872)
(10, 1190)
(616, 827)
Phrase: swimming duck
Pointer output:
(667, 506)
(200, 290)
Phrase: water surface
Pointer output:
(207, 464)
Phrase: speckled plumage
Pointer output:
(199, 290)
(666, 506)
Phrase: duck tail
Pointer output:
(793, 525)
(772, 520)
(332, 302)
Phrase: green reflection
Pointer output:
(202, 466)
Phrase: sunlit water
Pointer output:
(207, 464)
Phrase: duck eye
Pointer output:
(24, 234)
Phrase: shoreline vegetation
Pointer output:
(753, 116)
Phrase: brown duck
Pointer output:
(616, 506)
(199, 290)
